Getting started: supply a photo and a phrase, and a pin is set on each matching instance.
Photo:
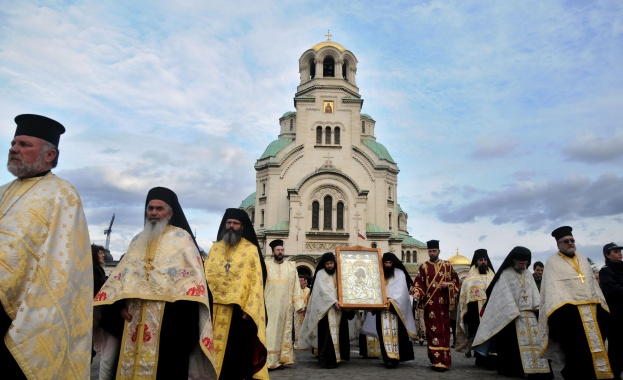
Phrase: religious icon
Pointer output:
(328, 107)
(360, 278)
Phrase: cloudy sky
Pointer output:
(505, 118)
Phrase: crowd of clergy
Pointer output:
(166, 312)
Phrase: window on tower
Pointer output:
(340, 216)
(327, 137)
(328, 67)
(336, 136)
(318, 135)
(328, 208)
(315, 214)
(312, 68)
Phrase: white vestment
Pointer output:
(283, 297)
(514, 298)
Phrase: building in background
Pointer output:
(326, 181)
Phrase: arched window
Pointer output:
(399, 217)
(340, 216)
(328, 210)
(403, 256)
(315, 214)
(363, 127)
(344, 71)
(327, 135)
(328, 67)
(262, 220)
(263, 189)
(291, 125)
(389, 192)
(252, 216)
(312, 68)
(373, 245)
(390, 221)
(408, 256)
(336, 136)
(318, 135)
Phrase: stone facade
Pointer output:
(326, 179)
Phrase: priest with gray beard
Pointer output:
(236, 274)
(158, 296)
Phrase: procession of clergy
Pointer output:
(164, 313)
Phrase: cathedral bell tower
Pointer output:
(326, 182)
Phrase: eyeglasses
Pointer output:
(567, 241)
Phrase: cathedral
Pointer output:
(326, 181)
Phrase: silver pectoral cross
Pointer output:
(227, 266)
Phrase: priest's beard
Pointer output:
(278, 258)
(388, 272)
(330, 271)
(152, 232)
(518, 270)
(482, 269)
(232, 237)
(22, 170)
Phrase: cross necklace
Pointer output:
(227, 264)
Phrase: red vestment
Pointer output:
(438, 303)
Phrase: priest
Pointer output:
(437, 285)
(471, 299)
(324, 328)
(283, 298)
(46, 278)
(509, 322)
(396, 326)
(160, 292)
(236, 274)
(573, 310)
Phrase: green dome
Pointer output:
(248, 201)
(366, 116)
(379, 149)
(288, 114)
(275, 147)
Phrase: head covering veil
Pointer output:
(517, 253)
(479, 254)
(388, 256)
(248, 232)
(327, 256)
(169, 197)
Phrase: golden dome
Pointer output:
(334, 44)
(459, 260)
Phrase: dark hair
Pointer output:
(95, 250)
(538, 264)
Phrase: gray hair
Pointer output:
(46, 147)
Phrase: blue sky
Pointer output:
(504, 117)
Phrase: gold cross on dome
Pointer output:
(328, 35)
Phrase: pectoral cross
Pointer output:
(581, 277)
(227, 266)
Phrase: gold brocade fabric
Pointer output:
(300, 316)
(46, 277)
(283, 297)
(474, 289)
(147, 277)
(570, 281)
(389, 325)
(235, 277)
